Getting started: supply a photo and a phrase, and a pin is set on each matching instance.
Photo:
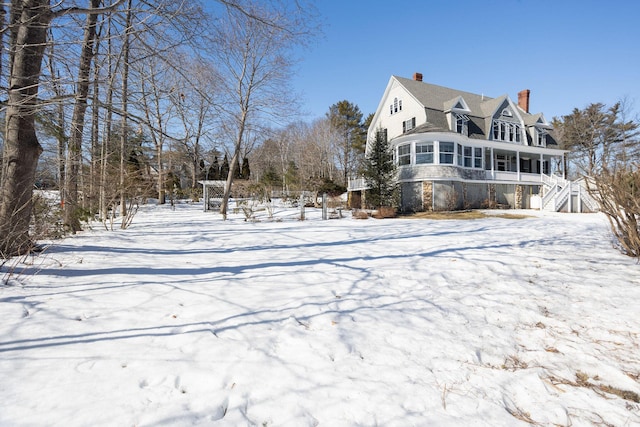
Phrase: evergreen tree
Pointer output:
(270, 177)
(346, 119)
(224, 169)
(379, 173)
(214, 170)
(237, 171)
(291, 176)
(246, 171)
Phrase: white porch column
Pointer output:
(541, 166)
(493, 170)
(518, 164)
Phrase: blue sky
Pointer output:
(568, 53)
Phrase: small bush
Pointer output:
(359, 214)
(46, 214)
(385, 212)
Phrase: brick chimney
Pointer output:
(417, 77)
(523, 99)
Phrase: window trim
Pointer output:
(402, 156)
(461, 123)
(426, 154)
(408, 125)
(443, 155)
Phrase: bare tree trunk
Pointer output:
(74, 153)
(125, 101)
(233, 164)
(29, 23)
(106, 138)
(95, 135)
(59, 126)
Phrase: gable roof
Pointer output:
(439, 98)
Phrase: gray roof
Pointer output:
(438, 99)
(435, 97)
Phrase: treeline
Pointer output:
(115, 101)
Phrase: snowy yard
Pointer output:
(184, 319)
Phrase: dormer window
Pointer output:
(462, 123)
(507, 113)
(541, 137)
(505, 131)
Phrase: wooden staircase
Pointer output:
(560, 194)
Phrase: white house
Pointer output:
(458, 150)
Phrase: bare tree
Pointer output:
(74, 152)
(252, 55)
(193, 101)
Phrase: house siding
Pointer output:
(509, 172)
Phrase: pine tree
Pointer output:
(346, 119)
(237, 172)
(379, 173)
(224, 169)
(214, 170)
(246, 171)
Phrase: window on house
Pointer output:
(400, 105)
(447, 151)
(462, 124)
(408, 125)
(459, 154)
(503, 131)
(501, 162)
(395, 105)
(477, 158)
(391, 109)
(541, 137)
(404, 154)
(424, 152)
(468, 157)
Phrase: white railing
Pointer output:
(512, 176)
(356, 184)
(552, 180)
(562, 197)
(549, 195)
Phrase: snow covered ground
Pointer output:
(184, 319)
